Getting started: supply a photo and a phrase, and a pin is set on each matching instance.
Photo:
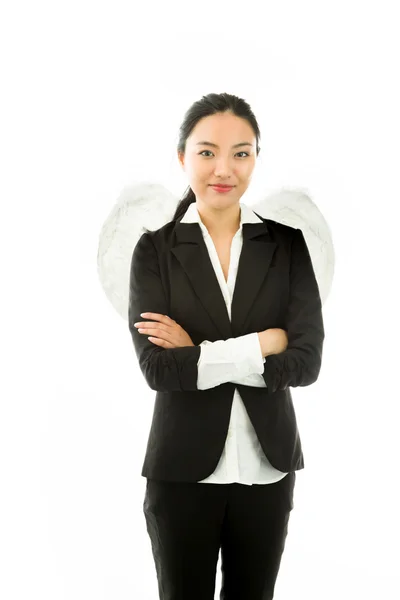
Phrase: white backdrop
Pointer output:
(93, 95)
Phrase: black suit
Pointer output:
(171, 273)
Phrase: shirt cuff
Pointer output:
(227, 360)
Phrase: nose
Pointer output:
(222, 168)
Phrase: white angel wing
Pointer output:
(145, 205)
(295, 208)
(151, 205)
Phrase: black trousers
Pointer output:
(188, 524)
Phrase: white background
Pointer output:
(92, 98)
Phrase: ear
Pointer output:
(181, 158)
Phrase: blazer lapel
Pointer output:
(254, 262)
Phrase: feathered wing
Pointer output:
(295, 208)
(150, 206)
(140, 206)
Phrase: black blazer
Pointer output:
(171, 273)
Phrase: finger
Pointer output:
(157, 332)
(160, 324)
(156, 316)
(160, 342)
(149, 324)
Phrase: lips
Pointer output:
(221, 186)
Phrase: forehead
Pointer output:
(222, 125)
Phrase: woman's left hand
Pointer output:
(165, 331)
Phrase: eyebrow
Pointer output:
(204, 143)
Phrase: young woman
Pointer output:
(225, 316)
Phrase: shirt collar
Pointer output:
(247, 215)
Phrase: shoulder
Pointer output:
(157, 241)
(279, 231)
(161, 234)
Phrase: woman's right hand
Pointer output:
(273, 341)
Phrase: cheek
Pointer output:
(199, 173)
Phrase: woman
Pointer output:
(225, 316)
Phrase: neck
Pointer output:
(220, 223)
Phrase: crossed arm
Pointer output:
(180, 369)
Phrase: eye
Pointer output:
(241, 152)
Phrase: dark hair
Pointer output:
(210, 105)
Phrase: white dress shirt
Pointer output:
(238, 360)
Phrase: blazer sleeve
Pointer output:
(165, 369)
(300, 363)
